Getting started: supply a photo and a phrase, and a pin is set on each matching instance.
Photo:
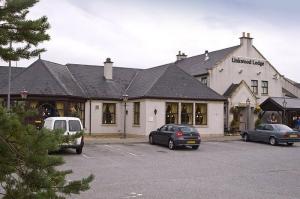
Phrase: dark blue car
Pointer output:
(173, 135)
(273, 134)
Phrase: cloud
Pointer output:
(149, 33)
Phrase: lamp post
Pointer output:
(248, 112)
(24, 94)
(284, 103)
(125, 99)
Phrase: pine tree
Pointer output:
(27, 171)
(18, 35)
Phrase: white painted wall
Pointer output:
(148, 120)
(220, 81)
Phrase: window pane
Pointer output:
(74, 125)
(201, 114)
(136, 113)
(171, 113)
(187, 113)
(60, 124)
(109, 113)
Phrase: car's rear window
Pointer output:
(282, 127)
(187, 129)
(60, 124)
(74, 125)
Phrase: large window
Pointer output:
(186, 113)
(254, 86)
(171, 113)
(201, 114)
(109, 113)
(136, 113)
(264, 86)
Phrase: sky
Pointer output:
(147, 33)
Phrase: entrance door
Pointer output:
(243, 119)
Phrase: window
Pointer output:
(186, 113)
(60, 124)
(74, 125)
(254, 86)
(171, 113)
(204, 80)
(109, 113)
(136, 113)
(201, 114)
(264, 87)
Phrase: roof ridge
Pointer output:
(70, 64)
(198, 81)
(154, 82)
(76, 82)
(211, 52)
(57, 80)
(129, 85)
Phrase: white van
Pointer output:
(71, 125)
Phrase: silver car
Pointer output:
(273, 134)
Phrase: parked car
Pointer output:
(173, 135)
(70, 126)
(273, 134)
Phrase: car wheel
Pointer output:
(151, 140)
(290, 143)
(171, 144)
(246, 137)
(195, 147)
(79, 150)
(273, 141)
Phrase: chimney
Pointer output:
(180, 56)
(246, 40)
(108, 64)
(206, 55)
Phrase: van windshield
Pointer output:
(74, 125)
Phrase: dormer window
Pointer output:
(204, 80)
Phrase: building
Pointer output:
(241, 74)
(98, 94)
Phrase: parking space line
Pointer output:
(87, 157)
(122, 151)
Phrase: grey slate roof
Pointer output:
(88, 82)
(4, 74)
(169, 81)
(197, 65)
(45, 78)
(230, 90)
(91, 80)
(276, 104)
(288, 93)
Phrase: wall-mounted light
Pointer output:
(221, 69)
(155, 111)
(240, 71)
(258, 73)
(24, 94)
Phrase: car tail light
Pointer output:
(286, 135)
(179, 134)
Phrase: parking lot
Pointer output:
(216, 170)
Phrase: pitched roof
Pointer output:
(230, 90)
(197, 65)
(45, 78)
(169, 81)
(4, 74)
(276, 104)
(87, 81)
(91, 80)
(288, 93)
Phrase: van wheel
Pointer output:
(79, 150)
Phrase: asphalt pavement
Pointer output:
(217, 170)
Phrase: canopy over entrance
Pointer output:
(288, 107)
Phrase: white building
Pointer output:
(156, 96)
(240, 73)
